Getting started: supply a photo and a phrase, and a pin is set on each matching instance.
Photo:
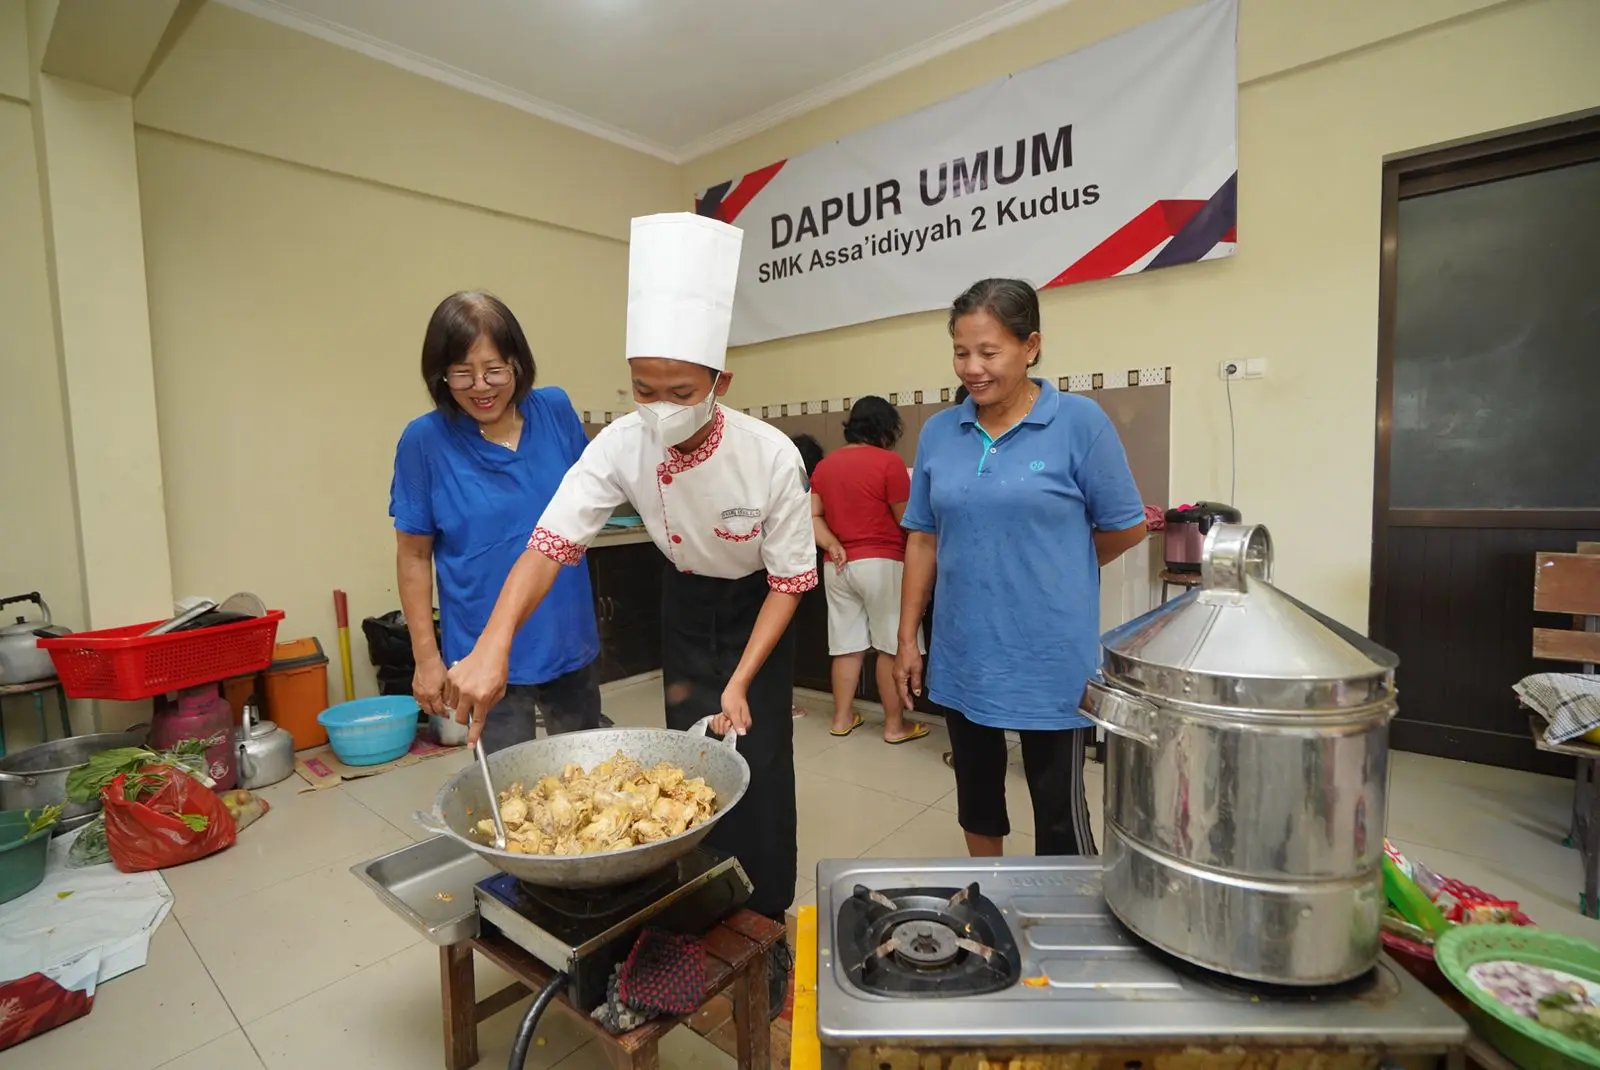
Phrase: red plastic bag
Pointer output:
(147, 833)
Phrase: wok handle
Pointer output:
(702, 727)
(18, 778)
(433, 824)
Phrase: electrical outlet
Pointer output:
(1231, 369)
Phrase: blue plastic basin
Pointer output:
(371, 731)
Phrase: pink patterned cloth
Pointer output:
(1155, 518)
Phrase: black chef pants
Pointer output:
(705, 624)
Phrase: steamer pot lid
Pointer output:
(1237, 626)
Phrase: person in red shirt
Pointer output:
(858, 494)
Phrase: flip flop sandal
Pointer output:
(859, 721)
(918, 731)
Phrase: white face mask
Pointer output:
(676, 423)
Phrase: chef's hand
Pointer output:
(735, 715)
(427, 685)
(908, 671)
(837, 555)
(473, 686)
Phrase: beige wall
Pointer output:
(39, 550)
(305, 208)
(287, 310)
(1329, 88)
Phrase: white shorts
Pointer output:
(864, 606)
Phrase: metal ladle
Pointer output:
(494, 800)
(488, 786)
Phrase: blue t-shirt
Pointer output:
(480, 502)
(1016, 616)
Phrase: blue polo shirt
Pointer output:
(1016, 617)
(480, 502)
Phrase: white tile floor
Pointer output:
(275, 957)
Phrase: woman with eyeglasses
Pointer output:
(471, 479)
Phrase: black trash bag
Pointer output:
(388, 642)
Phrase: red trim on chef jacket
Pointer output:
(681, 462)
(561, 550)
(793, 584)
(728, 536)
(678, 462)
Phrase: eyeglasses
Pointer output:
(465, 380)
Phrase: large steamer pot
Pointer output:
(37, 777)
(463, 801)
(1246, 775)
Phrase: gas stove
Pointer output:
(587, 932)
(1023, 953)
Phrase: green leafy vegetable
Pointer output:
(90, 848)
(87, 780)
(43, 819)
(196, 822)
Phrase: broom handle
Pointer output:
(341, 612)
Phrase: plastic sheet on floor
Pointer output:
(77, 911)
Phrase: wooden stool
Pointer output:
(37, 689)
(736, 962)
(1170, 579)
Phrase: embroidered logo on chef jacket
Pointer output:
(1036, 466)
(739, 525)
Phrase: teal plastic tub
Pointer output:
(22, 857)
(371, 731)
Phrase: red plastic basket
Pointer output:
(122, 663)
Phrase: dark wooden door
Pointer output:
(1488, 449)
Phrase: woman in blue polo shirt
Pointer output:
(1018, 496)
(471, 479)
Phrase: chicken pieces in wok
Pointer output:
(616, 805)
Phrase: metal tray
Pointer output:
(429, 884)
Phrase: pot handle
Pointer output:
(19, 778)
(702, 727)
(1119, 713)
(1233, 554)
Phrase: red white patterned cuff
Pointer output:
(793, 584)
(561, 550)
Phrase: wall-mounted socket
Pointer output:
(1254, 368)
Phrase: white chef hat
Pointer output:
(681, 273)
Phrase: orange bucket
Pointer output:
(297, 690)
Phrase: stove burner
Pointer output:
(923, 944)
(603, 902)
(927, 941)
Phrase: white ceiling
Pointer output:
(674, 78)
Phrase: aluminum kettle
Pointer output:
(266, 752)
(21, 660)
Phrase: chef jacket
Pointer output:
(736, 505)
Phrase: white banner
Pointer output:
(1111, 160)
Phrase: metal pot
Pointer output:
(37, 776)
(1246, 775)
(21, 660)
(266, 752)
(462, 801)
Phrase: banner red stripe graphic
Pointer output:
(746, 190)
(1135, 239)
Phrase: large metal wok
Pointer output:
(463, 801)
